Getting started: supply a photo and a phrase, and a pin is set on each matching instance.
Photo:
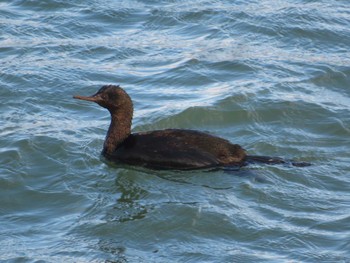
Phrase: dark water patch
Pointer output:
(334, 77)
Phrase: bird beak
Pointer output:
(88, 98)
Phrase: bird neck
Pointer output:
(119, 130)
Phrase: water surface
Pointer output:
(273, 76)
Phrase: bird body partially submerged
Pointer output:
(177, 149)
(163, 149)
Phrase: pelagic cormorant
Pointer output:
(164, 149)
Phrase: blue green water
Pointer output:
(273, 76)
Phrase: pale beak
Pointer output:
(88, 98)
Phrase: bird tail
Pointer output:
(273, 160)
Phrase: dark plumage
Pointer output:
(163, 149)
(177, 149)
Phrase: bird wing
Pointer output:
(161, 151)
